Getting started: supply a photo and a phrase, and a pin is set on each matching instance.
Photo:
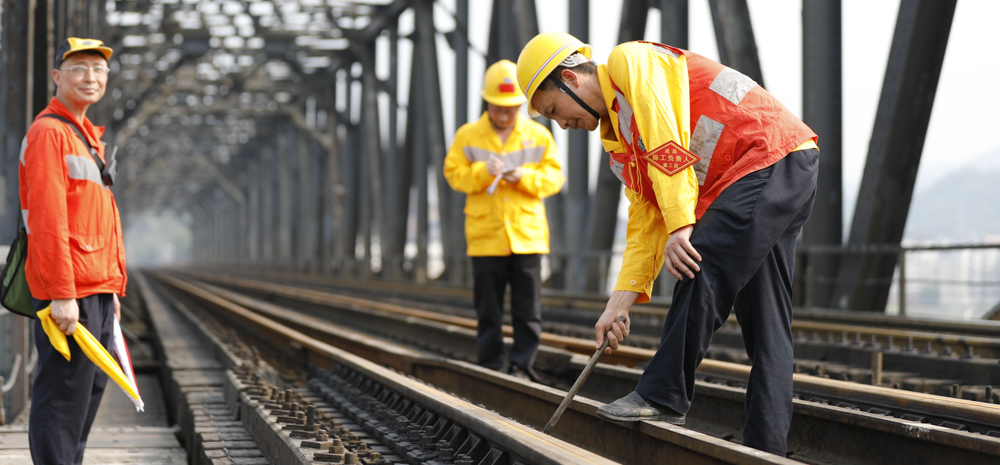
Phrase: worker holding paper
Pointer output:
(506, 164)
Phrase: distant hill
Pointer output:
(960, 206)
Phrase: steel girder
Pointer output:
(417, 149)
(425, 52)
(674, 23)
(512, 25)
(15, 336)
(822, 111)
(734, 36)
(577, 192)
(14, 117)
(904, 111)
(609, 188)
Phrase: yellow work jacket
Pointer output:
(512, 219)
(657, 96)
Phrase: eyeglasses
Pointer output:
(81, 70)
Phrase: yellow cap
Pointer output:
(499, 87)
(541, 55)
(76, 44)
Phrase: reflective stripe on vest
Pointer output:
(704, 139)
(720, 96)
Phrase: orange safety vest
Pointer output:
(737, 128)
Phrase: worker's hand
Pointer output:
(65, 312)
(494, 166)
(618, 305)
(681, 255)
(118, 308)
(514, 176)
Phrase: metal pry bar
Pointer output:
(579, 382)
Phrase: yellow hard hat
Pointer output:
(499, 87)
(540, 56)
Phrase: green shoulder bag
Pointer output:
(15, 295)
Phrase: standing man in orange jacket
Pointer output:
(720, 177)
(76, 256)
(506, 165)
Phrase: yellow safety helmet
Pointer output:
(540, 56)
(499, 87)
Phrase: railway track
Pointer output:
(834, 421)
(944, 357)
(314, 343)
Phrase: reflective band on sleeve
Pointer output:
(474, 154)
(732, 85)
(665, 51)
(24, 146)
(617, 168)
(522, 157)
(511, 160)
(24, 215)
(704, 138)
(83, 169)
(624, 117)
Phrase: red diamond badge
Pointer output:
(671, 158)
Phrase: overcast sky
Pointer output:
(965, 107)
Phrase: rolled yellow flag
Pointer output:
(92, 348)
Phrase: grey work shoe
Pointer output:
(634, 407)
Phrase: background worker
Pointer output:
(720, 178)
(76, 257)
(506, 230)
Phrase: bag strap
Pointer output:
(90, 148)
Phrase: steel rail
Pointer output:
(985, 328)
(926, 404)
(988, 344)
(550, 297)
(627, 355)
(655, 308)
(523, 441)
(862, 427)
(631, 443)
(959, 336)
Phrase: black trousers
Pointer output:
(747, 243)
(66, 394)
(491, 276)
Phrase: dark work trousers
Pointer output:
(66, 394)
(747, 243)
(491, 276)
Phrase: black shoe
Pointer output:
(634, 407)
(521, 373)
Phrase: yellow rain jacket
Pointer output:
(512, 219)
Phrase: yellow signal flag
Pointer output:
(92, 348)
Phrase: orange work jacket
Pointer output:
(75, 246)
